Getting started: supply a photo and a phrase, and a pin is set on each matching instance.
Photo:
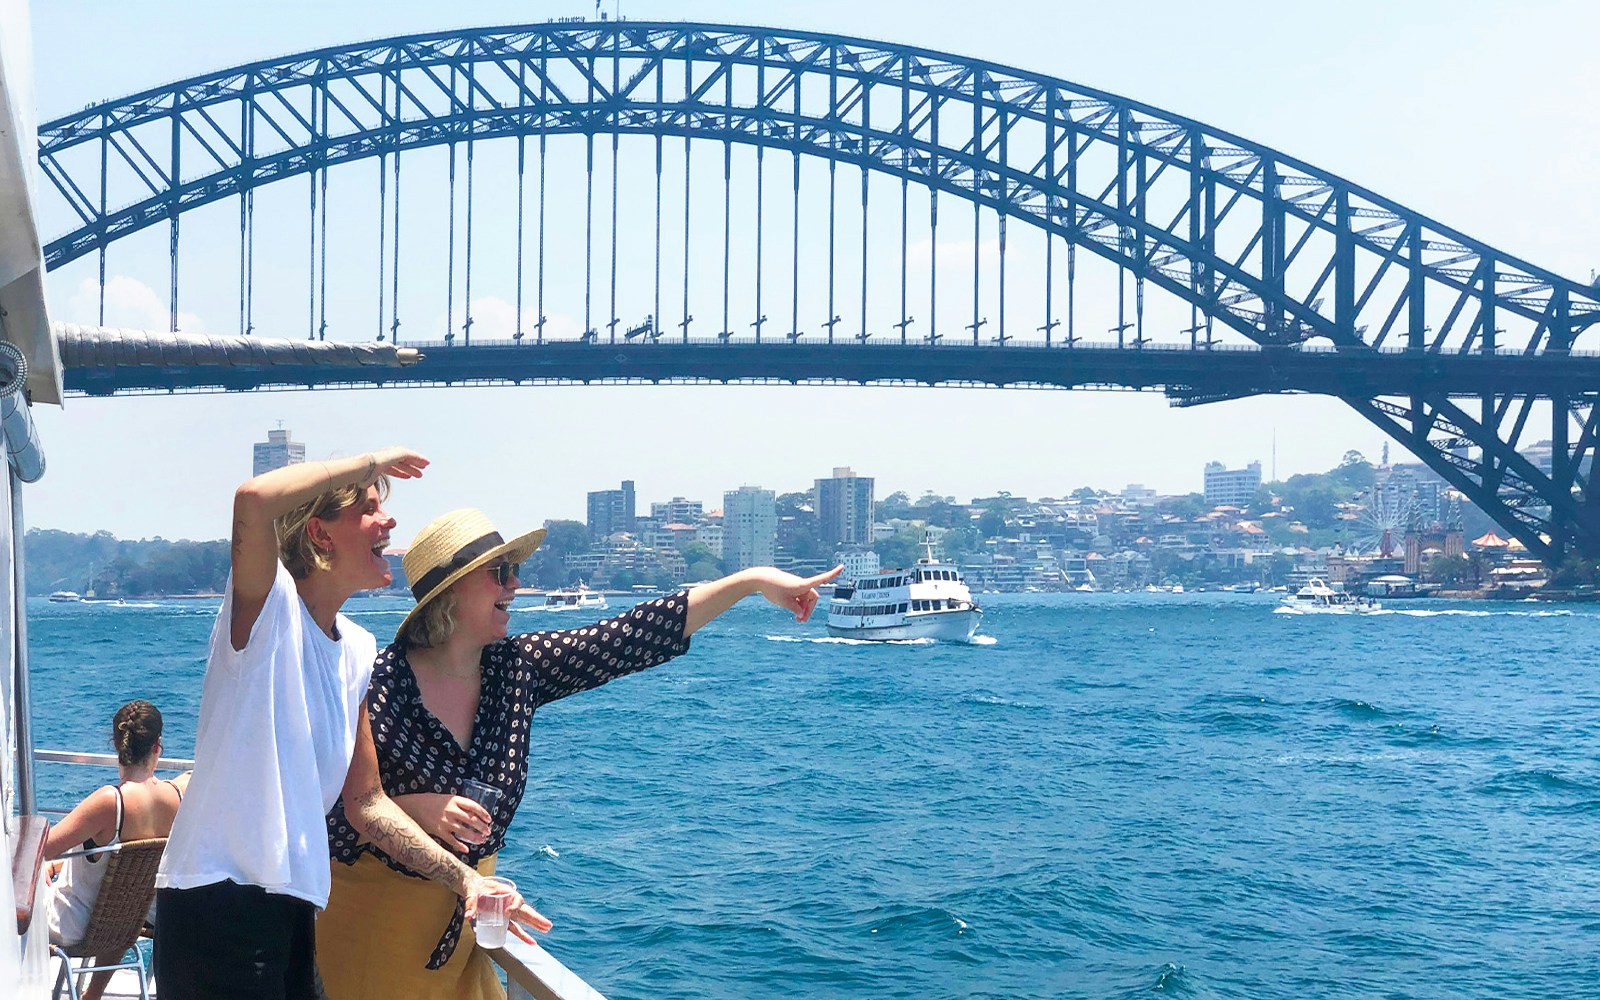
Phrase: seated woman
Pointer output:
(138, 807)
(452, 701)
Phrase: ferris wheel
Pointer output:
(1382, 521)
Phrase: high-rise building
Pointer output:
(611, 511)
(678, 511)
(277, 451)
(749, 528)
(844, 509)
(1232, 486)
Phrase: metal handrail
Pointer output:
(106, 760)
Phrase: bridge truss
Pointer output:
(1251, 240)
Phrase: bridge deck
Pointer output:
(1187, 373)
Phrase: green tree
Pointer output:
(704, 570)
(957, 542)
(895, 505)
(547, 566)
(992, 522)
(1190, 505)
(696, 553)
(900, 549)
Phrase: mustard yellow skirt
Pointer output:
(380, 927)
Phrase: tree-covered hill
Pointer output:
(115, 567)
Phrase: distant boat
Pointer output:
(574, 598)
(66, 597)
(1317, 598)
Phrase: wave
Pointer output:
(1357, 709)
(1170, 980)
(124, 604)
(982, 640)
(1433, 613)
(835, 640)
(998, 702)
(1472, 613)
(1534, 780)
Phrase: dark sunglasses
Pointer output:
(504, 572)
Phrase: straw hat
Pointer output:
(453, 545)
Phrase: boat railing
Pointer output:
(530, 970)
(533, 972)
(108, 760)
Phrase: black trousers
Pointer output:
(227, 941)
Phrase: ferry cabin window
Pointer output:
(902, 609)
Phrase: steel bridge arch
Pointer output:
(1265, 243)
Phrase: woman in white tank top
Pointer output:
(138, 807)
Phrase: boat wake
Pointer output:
(1438, 613)
(833, 640)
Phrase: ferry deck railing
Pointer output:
(531, 972)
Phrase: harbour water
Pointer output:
(1116, 795)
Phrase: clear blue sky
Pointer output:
(1481, 115)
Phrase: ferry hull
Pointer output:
(945, 626)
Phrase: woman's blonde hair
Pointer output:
(299, 553)
(434, 623)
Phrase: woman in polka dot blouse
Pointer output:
(451, 701)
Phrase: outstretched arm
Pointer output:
(260, 501)
(375, 816)
(787, 591)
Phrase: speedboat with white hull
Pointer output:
(927, 601)
(1317, 598)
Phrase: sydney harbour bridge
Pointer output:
(787, 202)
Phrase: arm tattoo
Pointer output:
(398, 836)
(238, 538)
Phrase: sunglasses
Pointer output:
(505, 572)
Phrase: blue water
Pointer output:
(1115, 796)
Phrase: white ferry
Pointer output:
(66, 597)
(574, 598)
(927, 601)
(1317, 598)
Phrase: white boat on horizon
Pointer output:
(1317, 598)
(927, 601)
(66, 597)
(574, 598)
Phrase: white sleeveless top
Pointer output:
(72, 894)
(278, 723)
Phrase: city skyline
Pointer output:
(1416, 136)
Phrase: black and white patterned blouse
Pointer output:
(417, 753)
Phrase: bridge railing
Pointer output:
(945, 343)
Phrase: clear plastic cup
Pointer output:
(492, 918)
(484, 795)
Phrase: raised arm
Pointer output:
(787, 591)
(375, 816)
(262, 500)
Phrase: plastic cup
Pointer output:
(484, 795)
(492, 918)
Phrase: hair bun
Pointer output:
(136, 729)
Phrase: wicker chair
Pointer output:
(126, 892)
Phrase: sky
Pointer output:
(1479, 115)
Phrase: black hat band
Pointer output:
(464, 555)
